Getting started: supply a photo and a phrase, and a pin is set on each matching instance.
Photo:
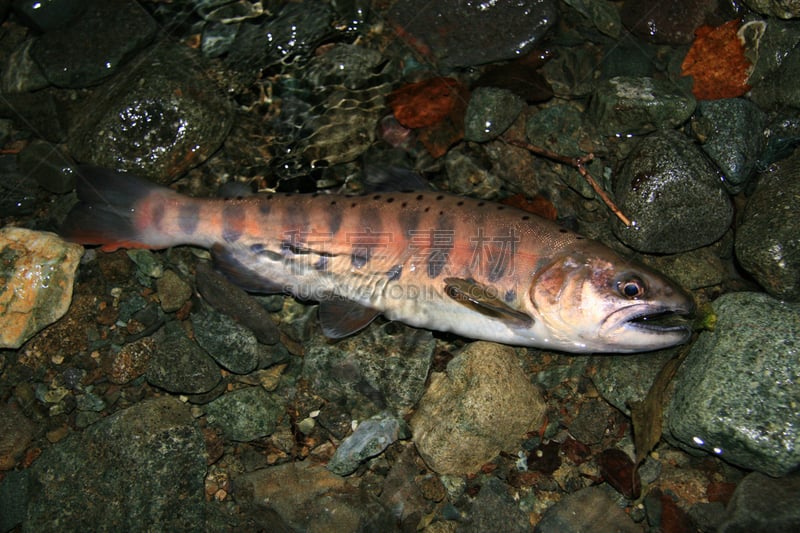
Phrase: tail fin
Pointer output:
(106, 209)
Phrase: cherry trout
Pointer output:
(431, 260)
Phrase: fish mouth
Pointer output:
(654, 322)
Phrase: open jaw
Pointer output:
(657, 321)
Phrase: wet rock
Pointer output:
(148, 264)
(369, 439)
(622, 379)
(170, 119)
(460, 34)
(143, 466)
(469, 174)
(494, 501)
(179, 365)
(761, 503)
(782, 135)
(666, 22)
(14, 490)
(97, 44)
(20, 72)
(131, 361)
(173, 292)
(16, 432)
(344, 64)
(48, 165)
(767, 241)
(231, 300)
(735, 392)
(46, 16)
(776, 8)
(382, 368)
(696, 269)
(631, 106)
(37, 270)
(41, 111)
(777, 66)
(307, 497)
(673, 194)
(490, 112)
(230, 344)
(482, 405)
(245, 414)
(730, 132)
(588, 509)
(404, 490)
(589, 426)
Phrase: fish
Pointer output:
(429, 259)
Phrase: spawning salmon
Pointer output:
(429, 259)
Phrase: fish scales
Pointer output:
(429, 259)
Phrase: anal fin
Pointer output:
(340, 318)
(482, 299)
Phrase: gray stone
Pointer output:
(231, 345)
(777, 69)
(785, 9)
(245, 414)
(462, 33)
(490, 112)
(731, 133)
(762, 503)
(101, 39)
(157, 118)
(382, 368)
(483, 405)
(768, 241)
(369, 439)
(492, 502)
(621, 379)
(673, 194)
(179, 365)
(588, 509)
(173, 292)
(143, 467)
(625, 106)
(737, 391)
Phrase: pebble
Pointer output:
(173, 292)
(730, 132)
(245, 414)
(232, 345)
(382, 368)
(369, 439)
(624, 105)
(767, 240)
(16, 433)
(38, 272)
(736, 392)
(179, 365)
(131, 361)
(482, 405)
(776, 8)
(490, 112)
(169, 121)
(673, 194)
(461, 34)
(494, 501)
(777, 67)
(137, 459)
(589, 509)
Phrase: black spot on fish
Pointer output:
(188, 219)
(500, 207)
(232, 222)
(389, 200)
(334, 220)
(376, 197)
(481, 204)
(440, 198)
(562, 230)
(420, 197)
(395, 272)
(404, 205)
(333, 202)
(427, 209)
(264, 207)
(510, 296)
(352, 205)
(526, 217)
(322, 263)
(158, 215)
(460, 203)
(360, 258)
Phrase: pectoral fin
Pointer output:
(482, 299)
(340, 318)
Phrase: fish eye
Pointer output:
(631, 288)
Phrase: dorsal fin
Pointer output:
(481, 298)
(340, 318)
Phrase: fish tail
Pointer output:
(117, 210)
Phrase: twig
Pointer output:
(580, 165)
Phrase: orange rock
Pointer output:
(717, 63)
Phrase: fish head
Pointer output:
(593, 300)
